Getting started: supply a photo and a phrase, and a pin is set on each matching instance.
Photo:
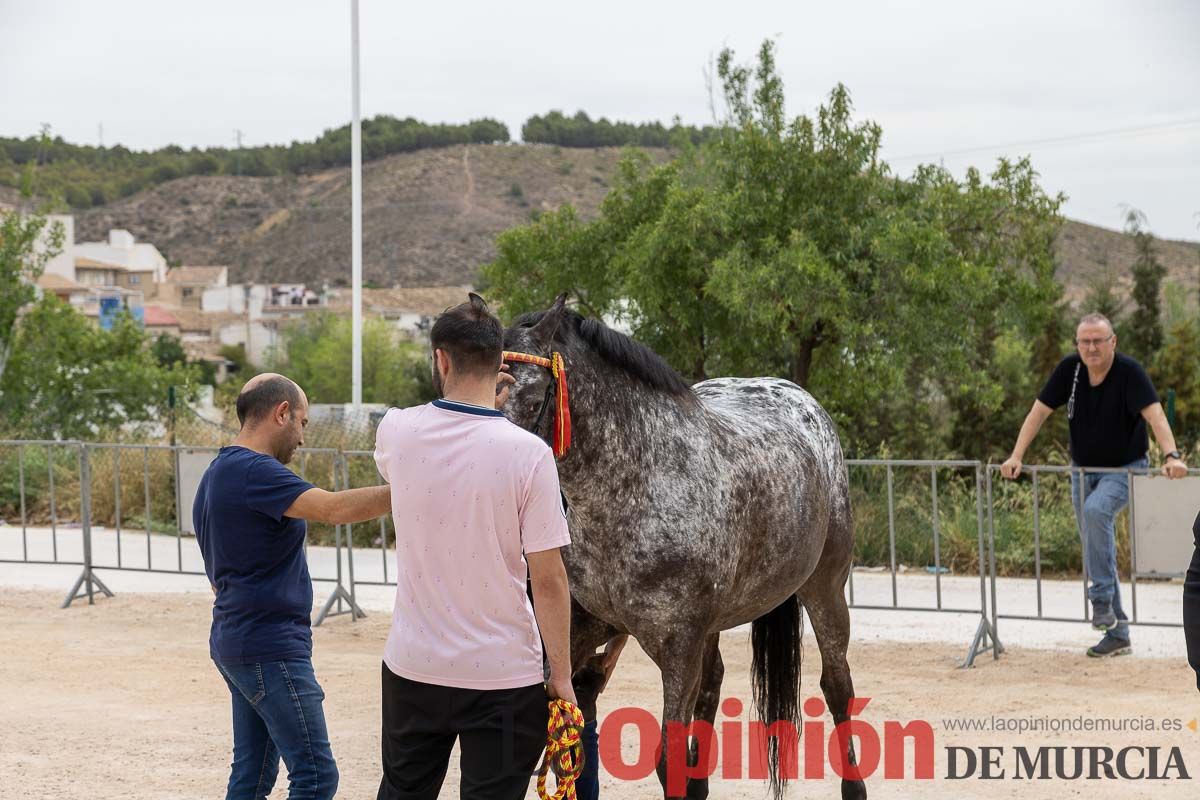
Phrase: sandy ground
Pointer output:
(119, 700)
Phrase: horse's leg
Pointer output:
(588, 632)
(824, 599)
(709, 697)
(679, 657)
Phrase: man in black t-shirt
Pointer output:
(1110, 401)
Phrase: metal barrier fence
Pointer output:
(969, 473)
(123, 484)
(1078, 498)
(940, 514)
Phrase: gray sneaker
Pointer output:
(1110, 646)
(1103, 618)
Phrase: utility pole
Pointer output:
(355, 217)
(237, 159)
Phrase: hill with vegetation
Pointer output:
(430, 217)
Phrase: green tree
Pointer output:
(784, 246)
(316, 354)
(1178, 368)
(27, 242)
(236, 353)
(167, 350)
(1104, 297)
(69, 379)
(1145, 332)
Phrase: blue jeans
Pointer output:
(1106, 494)
(277, 712)
(587, 787)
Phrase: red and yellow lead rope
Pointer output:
(562, 404)
(564, 751)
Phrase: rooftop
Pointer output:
(158, 316)
(201, 275)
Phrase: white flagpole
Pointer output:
(355, 216)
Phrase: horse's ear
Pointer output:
(548, 324)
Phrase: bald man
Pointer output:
(249, 519)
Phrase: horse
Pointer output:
(693, 510)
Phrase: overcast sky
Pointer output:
(940, 77)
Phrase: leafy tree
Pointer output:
(69, 379)
(168, 351)
(785, 247)
(1105, 298)
(27, 242)
(1178, 368)
(1145, 335)
(241, 362)
(581, 130)
(316, 354)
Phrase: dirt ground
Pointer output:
(119, 700)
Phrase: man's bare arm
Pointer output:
(339, 508)
(1157, 420)
(552, 606)
(1034, 420)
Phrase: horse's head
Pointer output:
(594, 356)
(539, 334)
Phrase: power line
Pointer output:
(1141, 130)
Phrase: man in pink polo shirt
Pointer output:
(478, 513)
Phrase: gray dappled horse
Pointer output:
(694, 510)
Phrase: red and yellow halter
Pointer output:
(562, 408)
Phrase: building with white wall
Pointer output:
(123, 250)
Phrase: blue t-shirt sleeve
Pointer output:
(271, 488)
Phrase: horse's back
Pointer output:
(770, 411)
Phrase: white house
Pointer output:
(123, 250)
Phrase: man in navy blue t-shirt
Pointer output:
(1110, 403)
(249, 518)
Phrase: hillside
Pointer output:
(430, 218)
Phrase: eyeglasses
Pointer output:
(1094, 342)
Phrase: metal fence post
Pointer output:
(339, 594)
(87, 579)
(985, 634)
(21, 490)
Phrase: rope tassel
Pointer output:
(562, 405)
(564, 751)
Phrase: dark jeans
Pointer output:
(277, 713)
(501, 735)
(587, 787)
(1191, 608)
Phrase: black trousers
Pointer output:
(501, 735)
(1191, 606)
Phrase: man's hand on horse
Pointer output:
(504, 382)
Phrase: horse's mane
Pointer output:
(620, 351)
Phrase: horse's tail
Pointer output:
(775, 682)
